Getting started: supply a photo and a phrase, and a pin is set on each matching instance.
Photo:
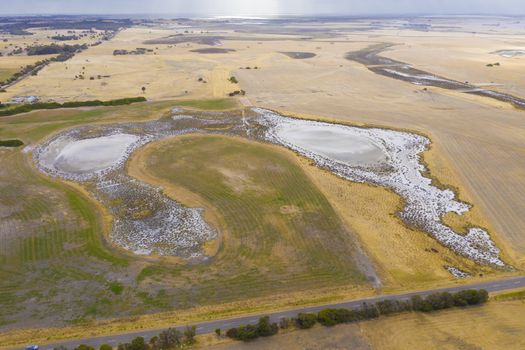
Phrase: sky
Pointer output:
(263, 8)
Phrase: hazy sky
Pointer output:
(264, 7)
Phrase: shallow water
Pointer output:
(89, 155)
(341, 144)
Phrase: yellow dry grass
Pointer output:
(497, 325)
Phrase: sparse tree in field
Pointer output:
(218, 332)
(143, 89)
(105, 347)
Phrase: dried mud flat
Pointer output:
(181, 39)
(509, 53)
(147, 222)
(212, 50)
(299, 55)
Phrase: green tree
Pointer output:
(305, 321)
(84, 347)
(265, 328)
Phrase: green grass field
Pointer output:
(283, 235)
(214, 104)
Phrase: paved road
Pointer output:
(209, 327)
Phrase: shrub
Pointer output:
(138, 344)
(232, 333)
(116, 287)
(387, 307)
(105, 347)
(189, 335)
(285, 323)
(470, 297)
(305, 321)
(169, 338)
(84, 347)
(419, 304)
(11, 143)
(247, 332)
(327, 317)
(218, 332)
(440, 301)
(265, 328)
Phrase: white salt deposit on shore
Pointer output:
(425, 203)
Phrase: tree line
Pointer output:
(6, 110)
(169, 339)
(331, 317)
(176, 339)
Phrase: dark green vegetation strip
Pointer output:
(11, 143)
(7, 110)
(519, 295)
(169, 339)
(332, 317)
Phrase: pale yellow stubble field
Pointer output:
(169, 72)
